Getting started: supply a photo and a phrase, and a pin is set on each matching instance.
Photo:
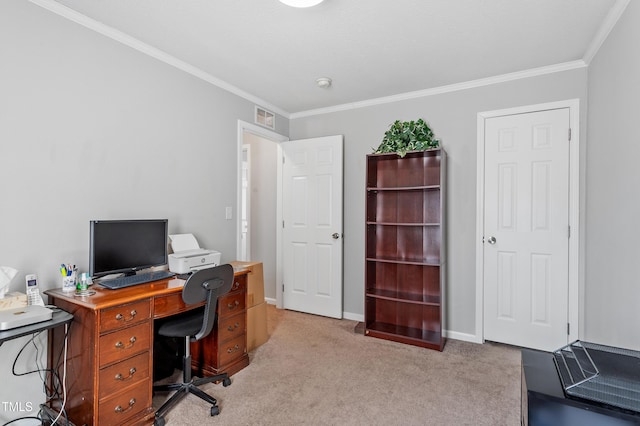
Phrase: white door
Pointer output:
(312, 229)
(526, 229)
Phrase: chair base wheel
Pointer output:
(215, 410)
(159, 421)
(226, 382)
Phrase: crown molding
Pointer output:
(607, 25)
(534, 72)
(614, 14)
(158, 54)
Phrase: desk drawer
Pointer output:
(170, 304)
(124, 315)
(124, 343)
(231, 327)
(232, 349)
(232, 304)
(125, 373)
(239, 282)
(117, 409)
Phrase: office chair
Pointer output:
(204, 285)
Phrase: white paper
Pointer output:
(6, 275)
(182, 242)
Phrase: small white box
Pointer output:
(17, 317)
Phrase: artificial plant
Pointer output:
(405, 136)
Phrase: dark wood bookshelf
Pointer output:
(405, 247)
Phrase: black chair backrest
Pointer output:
(207, 284)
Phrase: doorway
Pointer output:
(257, 206)
(526, 256)
(245, 202)
(266, 241)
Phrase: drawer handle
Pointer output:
(235, 285)
(233, 349)
(132, 314)
(132, 371)
(233, 327)
(119, 409)
(234, 305)
(121, 345)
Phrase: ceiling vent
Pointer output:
(265, 118)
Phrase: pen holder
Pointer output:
(69, 282)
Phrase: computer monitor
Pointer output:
(125, 246)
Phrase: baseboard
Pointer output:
(345, 315)
(465, 337)
(352, 316)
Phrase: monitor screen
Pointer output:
(126, 245)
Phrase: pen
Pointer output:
(67, 270)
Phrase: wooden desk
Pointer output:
(110, 348)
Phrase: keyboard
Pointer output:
(131, 280)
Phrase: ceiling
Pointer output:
(371, 49)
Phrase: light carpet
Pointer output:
(318, 371)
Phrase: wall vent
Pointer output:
(265, 118)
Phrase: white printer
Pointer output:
(187, 255)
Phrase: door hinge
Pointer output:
(283, 159)
(569, 133)
(283, 223)
(569, 231)
(283, 287)
(568, 329)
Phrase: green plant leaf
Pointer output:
(405, 136)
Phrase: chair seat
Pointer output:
(186, 325)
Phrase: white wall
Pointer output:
(612, 296)
(452, 116)
(92, 129)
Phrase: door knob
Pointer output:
(335, 236)
(491, 240)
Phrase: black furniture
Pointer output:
(544, 402)
(204, 285)
(59, 318)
